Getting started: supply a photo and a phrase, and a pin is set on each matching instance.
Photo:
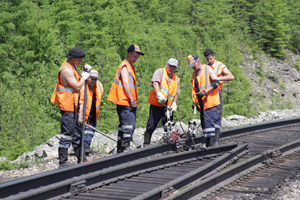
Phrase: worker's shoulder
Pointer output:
(219, 63)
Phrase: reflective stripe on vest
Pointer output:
(98, 90)
(172, 84)
(203, 80)
(65, 97)
(218, 70)
(117, 92)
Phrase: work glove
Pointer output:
(201, 93)
(215, 84)
(87, 68)
(174, 107)
(80, 121)
(85, 75)
(161, 98)
(133, 105)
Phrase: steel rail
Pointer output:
(43, 180)
(246, 129)
(186, 179)
(202, 185)
(52, 177)
(90, 180)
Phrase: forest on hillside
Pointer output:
(35, 36)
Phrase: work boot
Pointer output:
(119, 146)
(126, 146)
(62, 155)
(147, 138)
(212, 141)
(63, 158)
(207, 141)
(78, 156)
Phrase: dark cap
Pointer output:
(135, 48)
(208, 52)
(192, 59)
(76, 52)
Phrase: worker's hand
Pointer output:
(85, 75)
(133, 105)
(215, 84)
(161, 98)
(201, 93)
(174, 107)
(80, 121)
(87, 68)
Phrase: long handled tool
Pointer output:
(86, 68)
(83, 123)
(100, 132)
(104, 134)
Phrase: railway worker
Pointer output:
(65, 95)
(223, 74)
(94, 96)
(205, 96)
(163, 96)
(123, 93)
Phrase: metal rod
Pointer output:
(100, 132)
(83, 122)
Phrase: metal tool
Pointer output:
(100, 132)
(86, 68)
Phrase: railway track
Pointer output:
(160, 171)
(257, 173)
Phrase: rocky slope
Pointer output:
(276, 83)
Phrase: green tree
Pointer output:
(271, 29)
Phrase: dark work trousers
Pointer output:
(127, 121)
(88, 135)
(67, 129)
(208, 121)
(88, 132)
(156, 113)
(219, 112)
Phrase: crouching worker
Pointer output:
(94, 96)
(163, 96)
(205, 96)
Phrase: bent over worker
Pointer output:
(223, 74)
(65, 95)
(123, 93)
(94, 96)
(206, 96)
(163, 96)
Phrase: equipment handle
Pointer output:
(100, 132)
(83, 124)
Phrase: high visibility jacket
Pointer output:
(65, 97)
(219, 69)
(212, 98)
(98, 90)
(117, 92)
(167, 88)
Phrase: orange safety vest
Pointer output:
(219, 69)
(65, 97)
(212, 98)
(167, 88)
(117, 92)
(98, 89)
